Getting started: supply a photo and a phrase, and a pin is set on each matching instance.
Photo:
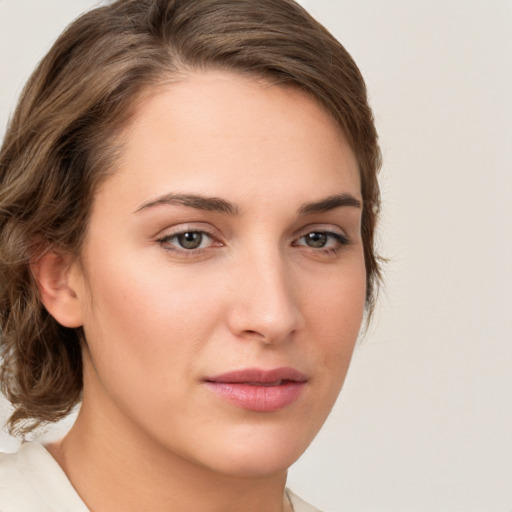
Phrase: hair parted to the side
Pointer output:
(61, 142)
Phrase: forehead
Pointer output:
(215, 131)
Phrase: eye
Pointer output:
(190, 240)
(327, 240)
(187, 241)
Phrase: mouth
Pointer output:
(259, 390)
(266, 384)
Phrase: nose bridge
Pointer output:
(266, 303)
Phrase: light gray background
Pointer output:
(425, 419)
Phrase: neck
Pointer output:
(115, 467)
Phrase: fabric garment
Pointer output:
(32, 481)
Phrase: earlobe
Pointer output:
(51, 271)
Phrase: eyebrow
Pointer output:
(330, 203)
(217, 204)
(211, 204)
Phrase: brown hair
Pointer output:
(60, 145)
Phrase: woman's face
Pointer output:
(222, 279)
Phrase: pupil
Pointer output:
(190, 240)
(316, 239)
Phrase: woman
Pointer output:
(188, 205)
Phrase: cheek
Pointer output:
(145, 323)
(335, 315)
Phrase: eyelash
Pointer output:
(165, 241)
(340, 240)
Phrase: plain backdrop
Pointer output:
(424, 422)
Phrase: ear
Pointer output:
(52, 271)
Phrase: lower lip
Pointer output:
(258, 398)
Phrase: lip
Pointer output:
(257, 389)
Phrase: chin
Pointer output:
(257, 464)
(258, 452)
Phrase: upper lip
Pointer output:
(257, 375)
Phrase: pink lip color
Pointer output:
(259, 390)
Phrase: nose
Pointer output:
(266, 302)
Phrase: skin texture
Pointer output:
(159, 318)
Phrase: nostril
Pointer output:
(250, 333)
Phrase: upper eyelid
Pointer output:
(215, 233)
(188, 227)
(166, 238)
(177, 233)
(166, 241)
(339, 237)
(320, 228)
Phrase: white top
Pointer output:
(32, 481)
